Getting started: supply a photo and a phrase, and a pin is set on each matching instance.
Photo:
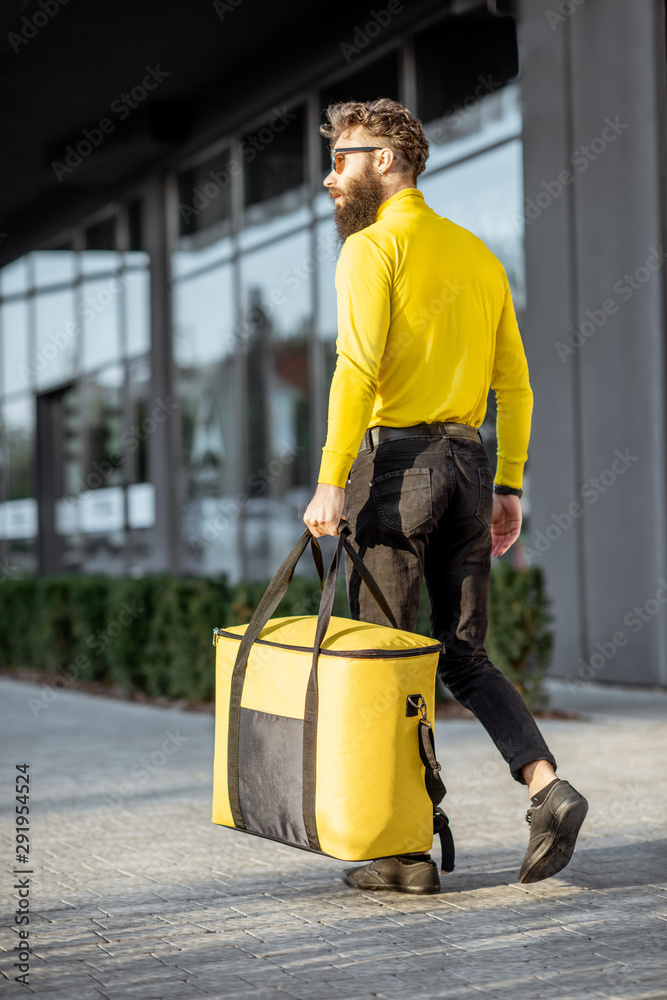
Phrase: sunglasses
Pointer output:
(338, 155)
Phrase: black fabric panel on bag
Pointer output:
(270, 776)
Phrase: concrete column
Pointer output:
(594, 173)
(163, 455)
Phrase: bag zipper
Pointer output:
(350, 654)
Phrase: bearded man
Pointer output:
(426, 326)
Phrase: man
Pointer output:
(426, 326)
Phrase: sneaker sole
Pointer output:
(558, 851)
(418, 890)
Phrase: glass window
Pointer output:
(19, 423)
(462, 58)
(53, 267)
(137, 289)
(204, 318)
(326, 317)
(195, 255)
(17, 373)
(204, 194)
(100, 313)
(209, 392)
(275, 324)
(57, 337)
(102, 499)
(102, 425)
(274, 156)
(100, 253)
(18, 507)
(15, 277)
(100, 261)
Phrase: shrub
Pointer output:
(154, 634)
(519, 641)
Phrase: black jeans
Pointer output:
(422, 506)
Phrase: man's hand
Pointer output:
(325, 510)
(506, 522)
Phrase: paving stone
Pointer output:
(152, 900)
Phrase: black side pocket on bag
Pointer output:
(485, 500)
(270, 776)
(402, 499)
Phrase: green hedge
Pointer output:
(153, 634)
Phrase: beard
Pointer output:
(363, 197)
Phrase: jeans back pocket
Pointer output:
(402, 499)
(484, 510)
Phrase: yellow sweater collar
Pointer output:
(389, 204)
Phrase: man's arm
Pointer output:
(363, 284)
(514, 397)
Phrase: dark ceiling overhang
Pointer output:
(144, 85)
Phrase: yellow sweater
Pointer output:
(426, 325)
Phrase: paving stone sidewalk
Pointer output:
(135, 893)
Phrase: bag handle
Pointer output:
(312, 694)
(271, 598)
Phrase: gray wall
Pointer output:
(603, 61)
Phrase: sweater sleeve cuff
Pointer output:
(335, 468)
(509, 473)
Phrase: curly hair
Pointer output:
(381, 119)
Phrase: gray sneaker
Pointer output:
(554, 825)
(395, 875)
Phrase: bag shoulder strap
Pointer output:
(437, 791)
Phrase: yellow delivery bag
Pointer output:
(322, 732)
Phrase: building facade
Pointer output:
(165, 358)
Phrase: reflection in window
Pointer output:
(57, 336)
(17, 373)
(462, 59)
(276, 319)
(211, 437)
(19, 425)
(137, 291)
(100, 311)
(275, 156)
(14, 277)
(326, 318)
(18, 508)
(53, 267)
(102, 502)
(204, 318)
(204, 196)
(102, 422)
